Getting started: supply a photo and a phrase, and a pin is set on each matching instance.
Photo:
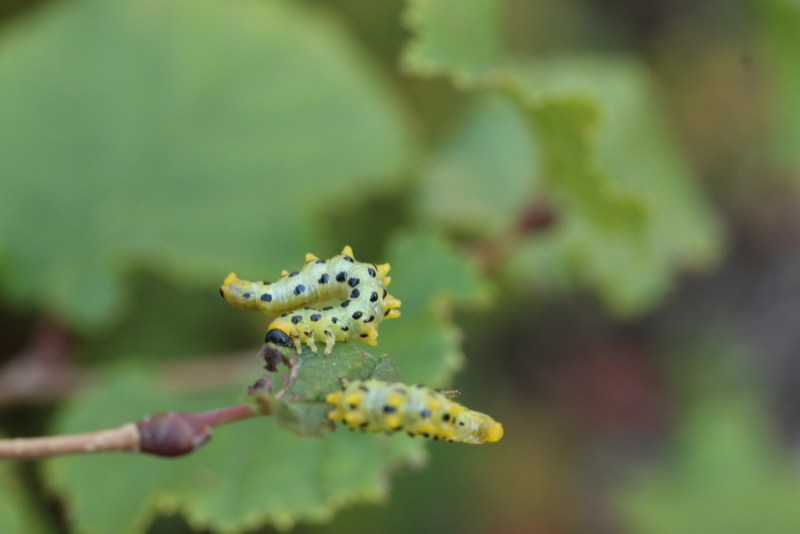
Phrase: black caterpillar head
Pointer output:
(279, 337)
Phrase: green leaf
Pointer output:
(17, 513)
(780, 25)
(483, 177)
(630, 264)
(187, 137)
(727, 474)
(251, 473)
(205, 325)
(430, 278)
(616, 179)
(455, 40)
(297, 396)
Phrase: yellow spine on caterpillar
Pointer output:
(376, 406)
(357, 293)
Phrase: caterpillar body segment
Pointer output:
(358, 289)
(376, 406)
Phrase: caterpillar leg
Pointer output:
(369, 335)
(311, 344)
(298, 346)
(330, 341)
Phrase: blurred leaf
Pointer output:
(189, 137)
(462, 42)
(251, 473)
(616, 180)
(630, 266)
(780, 26)
(484, 175)
(166, 321)
(430, 278)
(727, 475)
(17, 514)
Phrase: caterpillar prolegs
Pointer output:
(359, 288)
(376, 406)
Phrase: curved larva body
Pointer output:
(376, 406)
(361, 288)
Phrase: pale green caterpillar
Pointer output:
(359, 289)
(376, 406)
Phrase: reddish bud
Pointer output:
(172, 433)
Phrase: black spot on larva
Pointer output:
(278, 337)
(284, 314)
(221, 293)
(334, 320)
(307, 334)
(411, 434)
(319, 262)
(386, 313)
(446, 417)
(345, 304)
(266, 297)
(385, 293)
(348, 258)
(353, 282)
(293, 273)
(364, 335)
(328, 333)
(389, 409)
(369, 319)
(435, 438)
(365, 389)
(357, 315)
(425, 435)
(365, 424)
(353, 406)
(345, 329)
(355, 294)
(315, 317)
(341, 277)
(373, 297)
(324, 278)
(296, 319)
(425, 413)
(246, 295)
(266, 283)
(326, 308)
(461, 423)
(371, 272)
(299, 288)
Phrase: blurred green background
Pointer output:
(590, 207)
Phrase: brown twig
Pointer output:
(166, 434)
(124, 438)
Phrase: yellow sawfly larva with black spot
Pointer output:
(376, 406)
(358, 288)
